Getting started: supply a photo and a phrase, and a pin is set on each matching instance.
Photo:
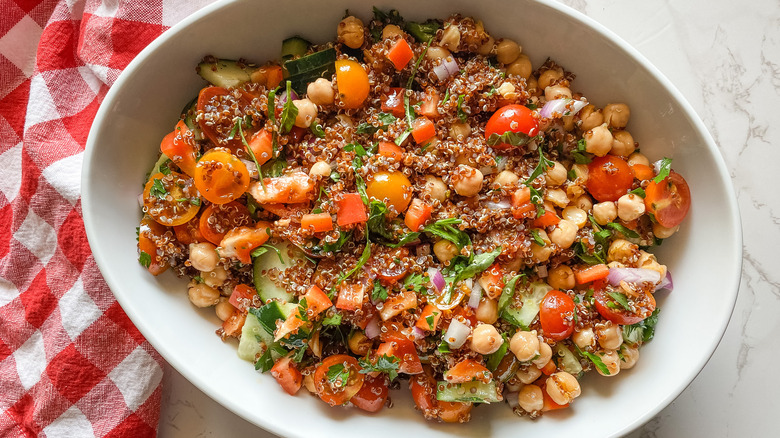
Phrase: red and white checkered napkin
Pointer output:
(71, 362)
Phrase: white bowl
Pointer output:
(143, 105)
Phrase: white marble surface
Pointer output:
(725, 58)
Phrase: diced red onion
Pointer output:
(476, 295)
(562, 107)
(372, 329)
(512, 399)
(281, 96)
(666, 282)
(457, 333)
(632, 275)
(500, 205)
(447, 68)
(437, 279)
(141, 200)
(417, 333)
(542, 271)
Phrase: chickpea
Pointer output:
(621, 250)
(638, 158)
(575, 215)
(598, 141)
(320, 168)
(541, 253)
(561, 277)
(630, 356)
(525, 345)
(557, 197)
(648, 261)
(528, 374)
(612, 361)
(581, 173)
(562, 387)
(485, 339)
(532, 85)
(584, 203)
(617, 115)
(520, 67)
(610, 336)
(214, 278)
(435, 188)
(435, 53)
(584, 338)
(487, 311)
(203, 256)
(622, 143)
(564, 233)
(351, 32)
(466, 158)
(202, 295)
(307, 112)
(557, 92)
(630, 207)
(662, 232)
(445, 250)
(321, 92)
(460, 131)
(548, 77)
(530, 398)
(487, 47)
(224, 309)
(359, 344)
(604, 212)
(545, 354)
(508, 91)
(507, 51)
(590, 117)
(391, 31)
(506, 178)
(556, 174)
(466, 180)
(450, 38)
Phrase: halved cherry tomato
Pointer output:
(668, 200)
(556, 315)
(406, 353)
(337, 379)
(352, 83)
(287, 375)
(400, 54)
(242, 296)
(220, 176)
(239, 242)
(511, 118)
(171, 199)
(149, 233)
(217, 219)
(180, 147)
(417, 215)
(611, 310)
(372, 395)
(454, 412)
(388, 263)
(217, 101)
(392, 188)
(609, 178)
(423, 389)
(466, 371)
(188, 233)
(393, 102)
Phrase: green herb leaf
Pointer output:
(444, 348)
(620, 299)
(508, 292)
(595, 359)
(479, 263)
(666, 167)
(463, 116)
(384, 364)
(334, 319)
(537, 238)
(317, 130)
(445, 229)
(338, 244)
(631, 234)
(262, 249)
(430, 319)
(495, 358)
(338, 375)
(509, 137)
(158, 190)
(414, 282)
(379, 293)
(164, 169)
(384, 118)
(423, 32)
(289, 111)
(144, 259)
(377, 219)
(639, 191)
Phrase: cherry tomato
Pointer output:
(392, 188)
(668, 200)
(218, 219)
(149, 233)
(556, 314)
(372, 395)
(352, 83)
(609, 178)
(511, 118)
(423, 389)
(180, 147)
(220, 176)
(611, 310)
(455, 412)
(188, 233)
(338, 379)
(215, 102)
(383, 262)
(405, 351)
(171, 199)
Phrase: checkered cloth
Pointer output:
(71, 362)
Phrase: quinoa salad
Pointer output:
(414, 205)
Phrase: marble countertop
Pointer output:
(724, 56)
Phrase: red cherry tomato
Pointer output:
(668, 200)
(609, 178)
(384, 263)
(338, 379)
(611, 310)
(511, 118)
(372, 395)
(556, 315)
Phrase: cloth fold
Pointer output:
(71, 362)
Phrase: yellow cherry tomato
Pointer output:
(392, 188)
(352, 83)
(171, 199)
(220, 176)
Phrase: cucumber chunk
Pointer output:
(567, 360)
(474, 392)
(163, 159)
(188, 114)
(270, 313)
(269, 263)
(224, 72)
(294, 47)
(253, 338)
(531, 298)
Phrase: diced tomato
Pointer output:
(261, 145)
(242, 297)
(406, 353)
(391, 150)
(642, 172)
(423, 389)
(591, 273)
(547, 219)
(317, 222)
(372, 395)
(423, 129)
(351, 209)
(393, 102)
(492, 280)
(397, 304)
(549, 404)
(180, 147)
(275, 76)
(549, 368)
(468, 370)
(188, 233)
(316, 302)
(241, 241)
(430, 105)
(232, 326)
(351, 295)
(417, 215)
(400, 54)
(429, 318)
(454, 412)
(287, 375)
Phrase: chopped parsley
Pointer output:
(144, 259)
(158, 190)
(620, 299)
(537, 238)
(663, 172)
(595, 359)
(379, 293)
(289, 111)
(384, 364)
(334, 319)
(338, 375)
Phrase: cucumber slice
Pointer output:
(163, 159)
(269, 263)
(567, 360)
(253, 338)
(294, 47)
(307, 69)
(224, 72)
(531, 298)
(474, 392)
(188, 114)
